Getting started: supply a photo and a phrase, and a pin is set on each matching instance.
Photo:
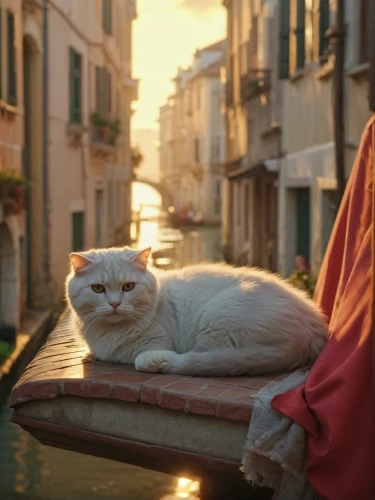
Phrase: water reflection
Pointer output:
(30, 470)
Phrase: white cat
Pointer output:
(207, 319)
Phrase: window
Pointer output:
(323, 26)
(103, 84)
(196, 150)
(198, 96)
(254, 43)
(75, 86)
(99, 202)
(78, 236)
(364, 42)
(284, 39)
(246, 207)
(217, 205)
(11, 52)
(1, 73)
(107, 16)
(300, 35)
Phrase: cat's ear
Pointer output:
(141, 258)
(79, 262)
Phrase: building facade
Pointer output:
(12, 214)
(253, 134)
(307, 181)
(66, 89)
(192, 137)
(280, 186)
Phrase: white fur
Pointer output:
(207, 319)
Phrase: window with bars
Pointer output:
(75, 76)
(107, 16)
(11, 59)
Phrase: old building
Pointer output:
(66, 89)
(90, 90)
(192, 137)
(253, 134)
(13, 218)
(307, 181)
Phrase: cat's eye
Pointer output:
(128, 287)
(98, 288)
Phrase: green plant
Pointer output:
(136, 156)
(115, 127)
(98, 119)
(13, 178)
(301, 277)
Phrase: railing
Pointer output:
(255, 82)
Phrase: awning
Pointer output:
(265, 167)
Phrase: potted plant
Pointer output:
(101, 125)
(301, 277)
(115, 128)
(12, 187)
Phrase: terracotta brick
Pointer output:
(128, 392)
(211, 390)
(234, 393)
(234, 411)
(100, 390)
(44, 390)
(77, 388)
(201, 406)
(173, 400)
(187, 386)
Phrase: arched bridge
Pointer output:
(166, 197)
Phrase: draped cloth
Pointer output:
(336, 403)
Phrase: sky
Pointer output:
(166, 35)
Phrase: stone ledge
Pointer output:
(64, 368)
(33, 330)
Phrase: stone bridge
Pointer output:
(166, 197)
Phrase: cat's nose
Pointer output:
(115, 304)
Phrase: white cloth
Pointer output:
(276, 448)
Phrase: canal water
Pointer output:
(31, 471)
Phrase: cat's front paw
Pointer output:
(155, 361)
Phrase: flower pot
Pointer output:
(104, 134)
(19, 195)
(6, 189)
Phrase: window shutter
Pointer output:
(75, 77)
(300, 34)
(109, 92)
(284, 21)
(107, 16)
(12, 81)
(97, 87)
(78, 229)
(323, 26)
(1, 73)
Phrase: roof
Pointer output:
(220, 45)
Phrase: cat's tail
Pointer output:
(234, 362)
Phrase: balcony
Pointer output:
(132, 84)
(254, 83)
(103, 134)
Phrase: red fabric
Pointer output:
(336, 404)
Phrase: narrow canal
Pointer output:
(31, 471)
